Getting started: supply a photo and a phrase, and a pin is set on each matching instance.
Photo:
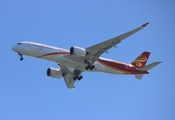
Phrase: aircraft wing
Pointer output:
(96, 50)
(68, 78)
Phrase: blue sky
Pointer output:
(27, 93)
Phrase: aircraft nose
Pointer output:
(14, 48)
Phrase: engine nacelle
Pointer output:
(54, 72)
(77, 51)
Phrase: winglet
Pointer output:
(144, 25)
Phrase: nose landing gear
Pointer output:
(21, 57)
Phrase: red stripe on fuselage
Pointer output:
(54, 53)
(123, 67)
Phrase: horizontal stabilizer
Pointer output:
(148, 67)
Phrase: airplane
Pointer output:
(72, 63)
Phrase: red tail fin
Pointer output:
(141, 60)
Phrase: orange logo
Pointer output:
(140, 60)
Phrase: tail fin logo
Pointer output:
(141, 59)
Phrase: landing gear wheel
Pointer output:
(77, 77)
(80, 77)
(91, 67)
(87, 68)
(21, 59)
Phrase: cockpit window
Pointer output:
(19, 43)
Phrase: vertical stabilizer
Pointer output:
(141, 60)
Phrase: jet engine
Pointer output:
(54, 72)
(77, 51)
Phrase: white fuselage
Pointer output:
(60, 56)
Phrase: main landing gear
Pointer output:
(78, 75)
(21, 57)
(89, 66)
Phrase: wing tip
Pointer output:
(72, 88)
(159, 62)
(144, 25)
